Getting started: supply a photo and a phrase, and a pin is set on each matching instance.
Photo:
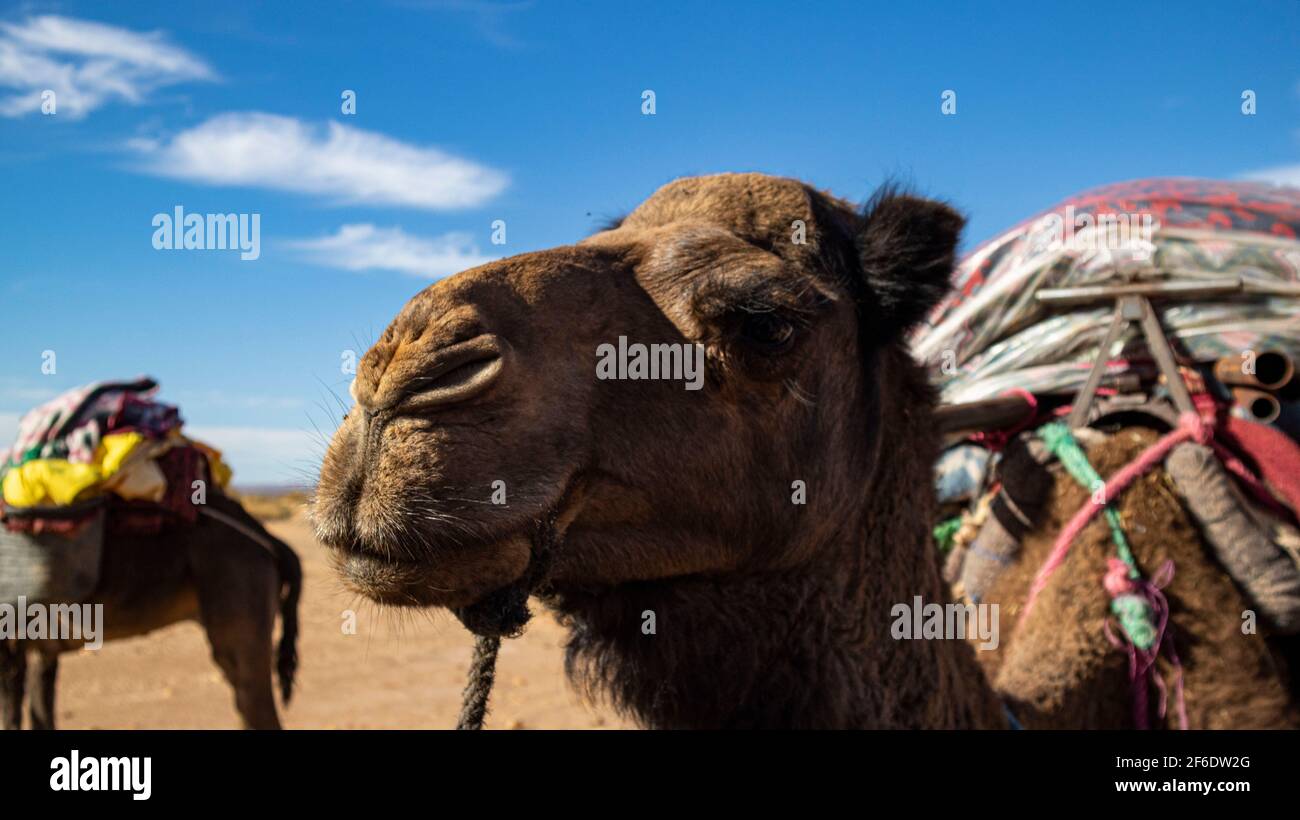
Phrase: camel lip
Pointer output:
(350, 546)
(402, 582)
(392, 583)
(356, 549)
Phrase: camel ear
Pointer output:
(906, 246)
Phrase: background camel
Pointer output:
(210, 572)
(1058, 670)
(725, 557)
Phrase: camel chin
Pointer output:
(458, 577)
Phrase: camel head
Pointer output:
(520, 391)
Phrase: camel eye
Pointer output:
(767, 332)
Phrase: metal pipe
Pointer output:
(1000, 412)
(1090, 294)
(1257, 405)
(988, 414)
(1273, 369)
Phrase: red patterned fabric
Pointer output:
(1200, 204)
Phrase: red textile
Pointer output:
(183, 466)
(1275, 455)
(68, 526)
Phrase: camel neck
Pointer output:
(809, 646)
(934, 681)
(789, 649)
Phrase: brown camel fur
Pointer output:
(1059, 670)
(207, 572)
(678, 506)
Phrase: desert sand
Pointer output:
(401, 670)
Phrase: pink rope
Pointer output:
(997, 439)
(1190, 428)
(1142, 663)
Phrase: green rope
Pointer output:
(945, 531)
(1061, 443)
(1136, 618)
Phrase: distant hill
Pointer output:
(272, 502)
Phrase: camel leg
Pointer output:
(13, 673)
(245, 659)
(42, 676)
(237, 606)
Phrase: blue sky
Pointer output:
(530, 112)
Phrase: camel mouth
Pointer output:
(358, 549)
(447, 579)
(390, 581)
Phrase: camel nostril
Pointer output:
(459, 373)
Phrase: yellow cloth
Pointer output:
(48, 481)
(114, 449)
(124, 465)
(57, 481)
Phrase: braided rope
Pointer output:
(503, 613)
(482, 674)
(1061, 443)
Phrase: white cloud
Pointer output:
(86, 64)
(221, 399)
(20, 391)
(1278, 175)
(365, 247)
(340, 161)
(260, 455)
